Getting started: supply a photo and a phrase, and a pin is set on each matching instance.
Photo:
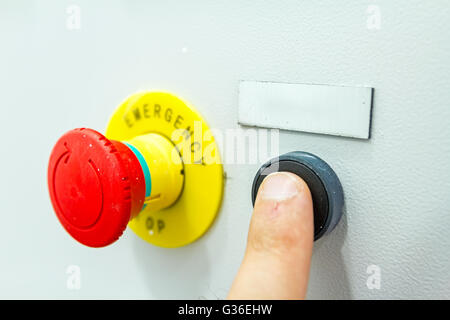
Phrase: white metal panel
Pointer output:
(335, 110)
(396, 184)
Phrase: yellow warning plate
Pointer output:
(195, 210)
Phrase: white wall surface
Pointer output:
(396, 184)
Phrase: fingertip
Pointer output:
(281, 186)
(283, 214)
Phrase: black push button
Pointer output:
(325, 187)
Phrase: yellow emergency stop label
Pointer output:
(196, 208)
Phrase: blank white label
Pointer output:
(327, 109)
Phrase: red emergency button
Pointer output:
(96, 186)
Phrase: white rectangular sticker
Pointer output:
(335, 110)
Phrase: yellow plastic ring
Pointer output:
(195, 210)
